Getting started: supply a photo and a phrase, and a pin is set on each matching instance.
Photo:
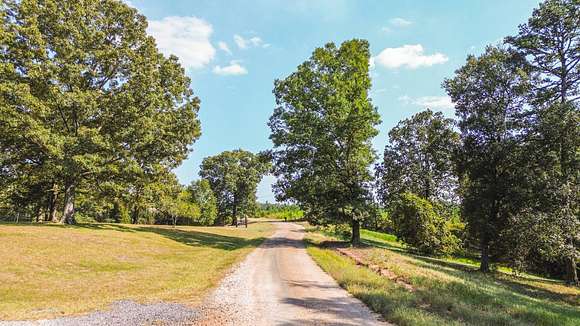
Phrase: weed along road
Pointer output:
(279, 284)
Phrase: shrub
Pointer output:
(421, 224)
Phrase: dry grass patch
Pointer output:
(52, 270)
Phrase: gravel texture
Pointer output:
(123, 313)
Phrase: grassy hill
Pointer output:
(408, 289)
(54, 270)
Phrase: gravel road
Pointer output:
(277, 284)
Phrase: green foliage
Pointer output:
(550, 161)
(322, 129)
(489, 95)
(286, 212)
(550, 41)
(379, 221)
(234, 176)
(203, 196)
(421, 224)
(120, 213)
(86, 98)
(419, 159)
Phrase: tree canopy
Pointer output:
(420, 159)
(86, 97)
(234, 176)
(322, 129)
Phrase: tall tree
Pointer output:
(89, 93)
(234, 177)
(322, 129)
(550, 41)
(419, 159)
(489, 95)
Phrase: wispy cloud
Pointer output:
(233, 69)
(186, 37)
(396, 22)
(245, 43)
(224, 47)
(409, 56)
(431, 102)
(400, 22)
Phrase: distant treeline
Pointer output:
(280, 211)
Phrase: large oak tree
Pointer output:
(86, 95)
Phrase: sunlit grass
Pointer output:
(50, 270)
(445, 292)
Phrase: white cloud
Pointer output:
(410, 56)
(185, 37)
(245, 43)
(233, 69)
(396, 22)
(431, 102)
(128, 3)
(400, 22)
(224, 47)
(435, 102)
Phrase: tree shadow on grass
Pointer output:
(501, 279)
(475, 299)
(201, 239)
(187, 237)
(460, 269)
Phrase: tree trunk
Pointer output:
(571, 273)
(52, 200)
(39, 214)
(355, 239)
(235, 216)
(135, 215)
(68, 214)
(484, 263)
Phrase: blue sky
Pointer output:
(234, 50)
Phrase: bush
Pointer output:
(421, 224)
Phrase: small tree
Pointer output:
(421, 224)
(203, 196)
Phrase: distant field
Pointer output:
(52, 270)
(426, 291)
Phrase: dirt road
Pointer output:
(279, 284)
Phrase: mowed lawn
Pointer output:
(417, 290)
(52, 270)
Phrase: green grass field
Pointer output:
(52, 270)
(428, 291)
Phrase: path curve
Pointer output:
(279, 284)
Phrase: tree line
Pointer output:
(501, 178)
